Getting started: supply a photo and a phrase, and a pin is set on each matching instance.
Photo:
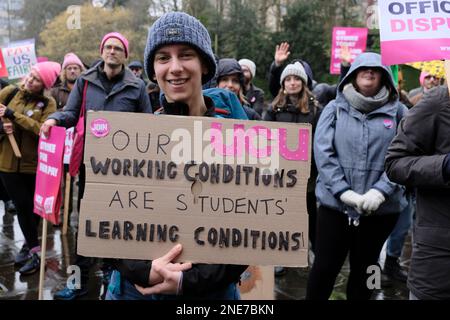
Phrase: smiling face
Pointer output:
(113, 53)
(179, 71)
(368, 81)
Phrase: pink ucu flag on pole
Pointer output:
(47, 197)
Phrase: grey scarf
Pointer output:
(365, 104)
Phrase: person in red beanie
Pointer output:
(23, 110)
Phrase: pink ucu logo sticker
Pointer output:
(388, 123)
(100, 128)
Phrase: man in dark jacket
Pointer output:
(110, 87)
(419, 157)
(253, 94)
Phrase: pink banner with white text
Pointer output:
(355, 39)
(47, 197)
(414, 30)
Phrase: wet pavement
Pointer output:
(60, 249)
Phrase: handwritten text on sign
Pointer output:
(230, 191)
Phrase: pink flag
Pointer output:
(47, 197)
(353, 38)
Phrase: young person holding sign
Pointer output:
(179, 57)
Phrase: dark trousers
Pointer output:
(311, 206)
(20, 188)
(85, 263)
(335, 238)
(3, 194)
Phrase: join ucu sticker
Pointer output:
(388, 123)
(100, 128)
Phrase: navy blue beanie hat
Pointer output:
(179, 28)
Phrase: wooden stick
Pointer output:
(65, 251)
(14, 145)
(43, 250)
(66, 204)
(447, 73)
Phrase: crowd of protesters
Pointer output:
(374, 160)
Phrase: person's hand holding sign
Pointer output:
(165, 276)
(8, 127)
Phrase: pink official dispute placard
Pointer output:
(353, 38)
(47, 196)
(413, 31)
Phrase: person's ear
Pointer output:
(204, 69)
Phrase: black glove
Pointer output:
(9, 114)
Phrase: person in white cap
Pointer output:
(296, 104)
(253, 94)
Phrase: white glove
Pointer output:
(352, 199)
(372, 200)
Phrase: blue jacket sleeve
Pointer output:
(327, 162)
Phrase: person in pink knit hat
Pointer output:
(427, 81)
(23, 109)
(72, 68)
(107, 86)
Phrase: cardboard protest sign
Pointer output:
(47, 196)
(355, 39)
(230, 191)
(413, 31)
(19, 57)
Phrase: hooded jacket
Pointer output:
(350, 146)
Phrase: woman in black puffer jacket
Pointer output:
(295, 103)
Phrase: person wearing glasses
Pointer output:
(427, 81)
(110, 87)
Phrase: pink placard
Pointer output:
(47, 196)
(354, 38)
(414, 31)
(3, 69)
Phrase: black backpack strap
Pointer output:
(11, 96)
